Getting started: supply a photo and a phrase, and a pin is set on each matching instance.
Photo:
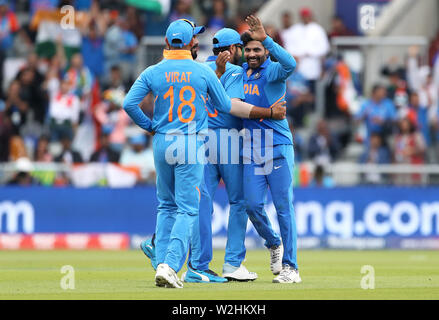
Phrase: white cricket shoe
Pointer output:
(276, 254)
(288, 275)
(167, 277)
(240, 273)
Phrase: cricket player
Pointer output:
(201, 242)
(264, 85)
(179, 86)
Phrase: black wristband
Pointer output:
(271, 114)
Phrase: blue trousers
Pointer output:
(280, 182)
(201, 241)
(178, 193)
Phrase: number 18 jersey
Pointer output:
(180, 87)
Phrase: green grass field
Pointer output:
(127, 275)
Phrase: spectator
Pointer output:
(323, 147)
(218, 18)
(42, 153)
(64, 108)
(299, 145)
(79, 78)
(307, 41)
(22, 45)
(274, 34)
(182, 10)
(5, 134)
(321, 179)
(378, 113)
(287, 22)
(135, 25)
(105, 153)
(67, 155)
(8, 26)
(128, 53)
(408, 148)
(110, 115)
(114, 81)
(339, 29)
(33, 64)
(33, 94)
(16, 108)
(113, 44)
(299, 98)
(375, 153)
(22, 177)
(418, 116)
(93, 48)
(139, 156)
(45, 5)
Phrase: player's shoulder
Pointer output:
(151, 69)
(232, 70)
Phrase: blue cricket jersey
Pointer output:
(180, 87)
(232, 81)
(265, 87)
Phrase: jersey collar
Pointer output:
(177, 54)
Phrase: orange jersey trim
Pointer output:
(274, 104)
(177, 54)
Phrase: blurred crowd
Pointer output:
(63, 81)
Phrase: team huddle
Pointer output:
(195, 102)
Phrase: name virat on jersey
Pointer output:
(175, 76)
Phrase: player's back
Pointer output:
(179, 87)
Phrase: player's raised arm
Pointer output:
(134, 97)
(287, 63)
(239, 108)
(221, 62)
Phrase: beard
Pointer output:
(194, 52)
(237, 59)
(256, 63)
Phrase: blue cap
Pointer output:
(138, 139)
(179, 33)
(197, 30)
(226, 37)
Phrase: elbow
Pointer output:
(292, 64)
(126, 106)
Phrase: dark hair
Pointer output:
(246, 38)
(376, 87)
(412, 126)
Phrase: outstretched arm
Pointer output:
(238, 108)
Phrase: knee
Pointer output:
(254, 206)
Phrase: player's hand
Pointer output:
(279, 111)
(150, 133)
(221, 62)
(257, 31)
